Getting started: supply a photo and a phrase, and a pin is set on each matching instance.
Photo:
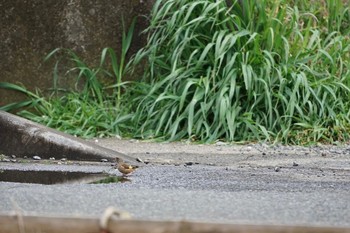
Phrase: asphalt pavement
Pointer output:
(183, 182)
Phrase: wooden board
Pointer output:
(40, 224)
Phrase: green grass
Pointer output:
(275, 71)
(264, 70)
(95, 108)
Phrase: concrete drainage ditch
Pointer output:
(52, 172)
(58, 177)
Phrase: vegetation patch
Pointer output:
(246, 71)
(95, 107)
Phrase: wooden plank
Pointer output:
(37, 224)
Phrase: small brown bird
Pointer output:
(123, 167)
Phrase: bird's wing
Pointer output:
(126, 166)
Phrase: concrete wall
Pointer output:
(30, 29)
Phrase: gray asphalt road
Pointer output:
(295, 195)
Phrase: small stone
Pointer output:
(118, 137)
(6, 160)
(52, 158)
(59, 163)
(92, 11)
(323, 155)
(295, 164)
(147, 152)
(13, 156)
(263, 153)
(64, 159)
(189, 163)
(36, 157)
(219, 143)
(277, 169)
(13, 160)
(25, 157)
(104, 160)
(139, 160)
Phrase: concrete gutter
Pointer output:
(22, 137)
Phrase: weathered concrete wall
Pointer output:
(30, 29)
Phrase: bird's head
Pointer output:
(118, 160)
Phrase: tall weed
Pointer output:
(260, 70)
